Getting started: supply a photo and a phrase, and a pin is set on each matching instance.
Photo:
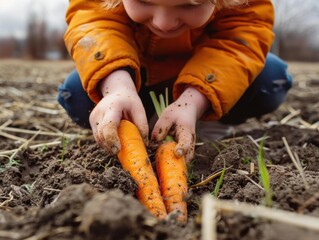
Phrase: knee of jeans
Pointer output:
(81, 118)
(69, 96)
(275, 75)
(277, 86)
(63, 96)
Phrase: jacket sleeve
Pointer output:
(99, 41)
(228, 60)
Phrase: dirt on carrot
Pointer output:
(171, 170)
(172, 174)
(134, 159)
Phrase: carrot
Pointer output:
(172, 174)
(134, 159)
(171, 170)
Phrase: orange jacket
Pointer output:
(220, 59)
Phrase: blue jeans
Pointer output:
(264, 95)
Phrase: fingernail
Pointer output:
(179, 152)
(114, 150)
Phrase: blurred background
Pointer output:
(34, 29)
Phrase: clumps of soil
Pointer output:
(73, 190)
(81, 212)
(114, 215)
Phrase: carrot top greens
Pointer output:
(160, 105)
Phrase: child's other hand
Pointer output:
(179, 120)
(120, 101)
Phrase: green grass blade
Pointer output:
(220, 181)
(264, 175)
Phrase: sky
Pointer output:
(14, 15)
(299, 16)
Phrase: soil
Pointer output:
(56, 183)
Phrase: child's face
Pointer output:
(169, 18)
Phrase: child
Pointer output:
(211, 55)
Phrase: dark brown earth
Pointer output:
(68, 188)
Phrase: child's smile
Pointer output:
(169, 18)
(169, 33)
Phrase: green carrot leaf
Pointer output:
(160, 106)
(156, 103)
(162, 102)
(166, 97)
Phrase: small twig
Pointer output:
(52, 189)
(24, 145)
(199, 144)
(55, 134)
(315, 125)
(261, 139)
(45, 110)
(252, 168)
(5, 124)
(245, 174)
(308, 222)
(295, 162)
(4, 203)
(48, 126)
(12, 137)
(10, 235)
(311, 200)
(210, 178)
(292, 218)
(293, 113)
(242, 172)
(31, 147)
(209, 223)
(305, 124)
(15, 91)
(231, 139)
(256, 142)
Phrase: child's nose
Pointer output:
(165, 21)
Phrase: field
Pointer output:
(56, 183)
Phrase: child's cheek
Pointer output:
(136, 13)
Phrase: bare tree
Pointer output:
(9, 47)
(36, 37)
(61, 45)
(56, 43)
(296, 22)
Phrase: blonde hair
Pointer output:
(228, 3)
(109, 4)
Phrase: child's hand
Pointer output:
(120, 101)
(179, 120)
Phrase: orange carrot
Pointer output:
(134, 158)
(171, 170)
(172, 174)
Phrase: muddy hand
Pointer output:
(120, 101)
(179, 120)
